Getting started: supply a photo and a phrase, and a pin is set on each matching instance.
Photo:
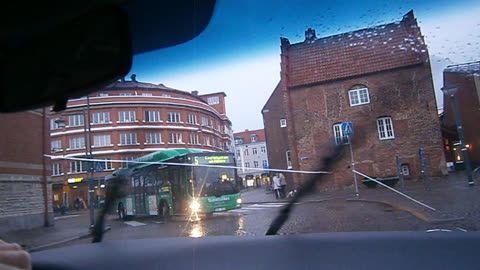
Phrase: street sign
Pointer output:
(99, 166)
(347, 128)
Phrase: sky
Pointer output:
(239, 51)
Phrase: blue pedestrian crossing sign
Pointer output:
(99, 166)
(347, 128)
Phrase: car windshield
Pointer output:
(265, 91)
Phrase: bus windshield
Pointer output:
(214, 181)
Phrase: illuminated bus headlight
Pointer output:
(239, 201)
(195, 206)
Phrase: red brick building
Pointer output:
(25, 182)
(129, 119)
(379, 78)
(467, 78)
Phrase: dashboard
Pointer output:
(357, 250)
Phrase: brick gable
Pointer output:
(355, 53)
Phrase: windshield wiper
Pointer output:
(114, 192)
(307, 188)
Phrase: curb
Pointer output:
(411, 211)
(50, 245)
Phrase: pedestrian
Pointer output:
(276, 186)
(283, 184)
(77, 204)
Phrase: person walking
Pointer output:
(283, 185)
(276, 186)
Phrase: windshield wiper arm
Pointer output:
(308, 187)
(114, 191)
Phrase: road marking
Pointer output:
(64, 217)
(236, 211)
(134, 223)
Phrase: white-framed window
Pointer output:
(385, 128)
(127, 116)
(101, 140)
(152, 116)
(192, 119)
(264, 164)
(405, 168)
(76, 120)
(238, 140)
(77, 142)
(166, 95)
(288, 155)
(57, 169)
(247, 164)
(102, 95)
(238, 153)
(101, 118)
(263, 149)
(214, 142)
(77, 166)
(206, 140)
(283, 122)
(125, 161)
(147, 94)
(212, 123)
(175, 138)
(245, 152)
(174, 117)
(359, 96)
(108, 164)
(255, 164)
(254, 151)
(125, 94)
(204, 121)
(128, 138)
(253, 138)
(194, 139)
(213, 100)
(56, 146)
(54, 124)
(154, 138)
(340, 138)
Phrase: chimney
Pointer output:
(310, 35)
(195, 92)
(133, 78)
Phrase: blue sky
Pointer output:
(239, 51)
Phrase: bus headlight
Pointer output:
(195, 206)
(239, 201)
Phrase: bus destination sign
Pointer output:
(213, 159)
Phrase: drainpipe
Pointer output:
(46, 220)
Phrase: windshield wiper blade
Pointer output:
(114, 191)
(308, 187)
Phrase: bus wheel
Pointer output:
(163, 211)
(208, 214)
(121, 212)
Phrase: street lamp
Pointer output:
(88, 152)
(451, 91)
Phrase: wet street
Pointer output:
(254, 219)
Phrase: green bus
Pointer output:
(159, 187)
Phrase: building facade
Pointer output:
(379, 79)
(129, 119)
(25, 182)
(466, 77)
(251, 153)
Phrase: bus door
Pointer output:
(178, 179)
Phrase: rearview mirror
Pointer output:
(70, 61)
